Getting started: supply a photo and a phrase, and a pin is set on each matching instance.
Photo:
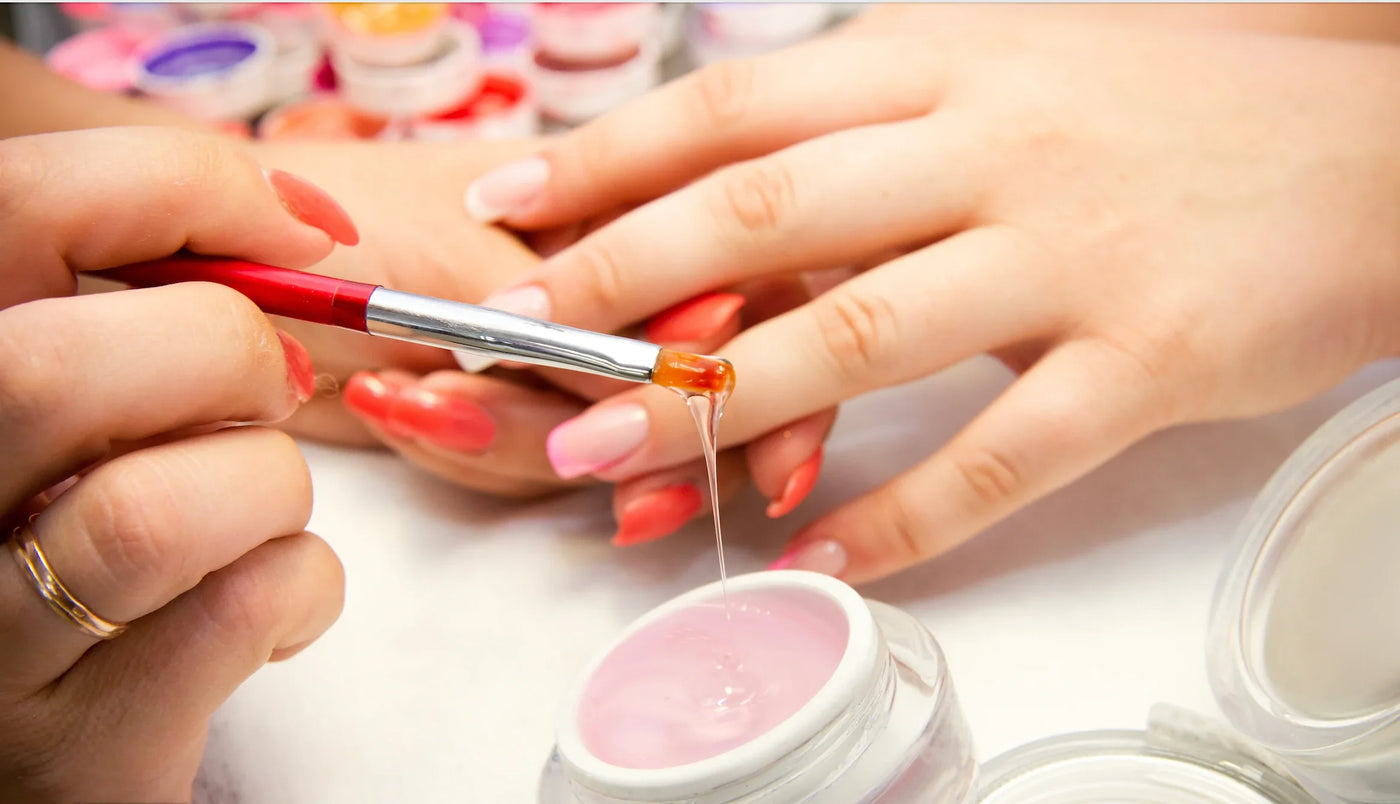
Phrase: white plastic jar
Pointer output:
(886, 727)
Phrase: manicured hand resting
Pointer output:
(1152, 226)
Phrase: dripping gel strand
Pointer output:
(705, 383)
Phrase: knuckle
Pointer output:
(905, 537)
(597, 154)
(243, 604)
(604, 280)
(29, 377)
(1140, 368)
(858, 332)
(723, 93)
(22, 165)
(133, 522)
(757, 198)
(991, 476)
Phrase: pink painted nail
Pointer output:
(597, 439)
(825, 556)
(799, 484)
(507, 189)
(531, 301)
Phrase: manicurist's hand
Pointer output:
(1152, 226)
(486, 431)
(153, 556)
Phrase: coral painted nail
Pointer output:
(695, 320)
(313, 206)
(657, 513)
(799, 484)
(448, 420)
(368, 396)
(824, 556)
(301, 375)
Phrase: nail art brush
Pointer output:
(387, 313)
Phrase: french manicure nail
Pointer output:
(301, 376)
(695, 320)
(531, 301)
(824, 556)
(507, 189)
(450, 421)
(799, 484)
(657, 513)
(313, 206)
(597, 439)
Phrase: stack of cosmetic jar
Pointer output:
(592, 57)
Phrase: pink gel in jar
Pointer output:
(702, 681)
(806, 693)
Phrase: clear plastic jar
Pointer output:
(885, 728)
(1304, 643)
(1180, 759)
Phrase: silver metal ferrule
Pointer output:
(503, 336)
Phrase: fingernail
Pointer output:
(825, 556)
(507, 189)
(450, 421)
(657, 513)
(300, 373)
(367, 395)
(695, 320)
(799, 484)
(530, 301)
(313, 206)
(596, 440)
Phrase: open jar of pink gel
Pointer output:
(794, 689)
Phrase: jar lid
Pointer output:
(1303, 650)
(213, 71)
(575, 95)
(592, 32)
(449, 77)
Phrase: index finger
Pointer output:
(721, 114)
(85, 200)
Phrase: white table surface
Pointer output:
(466, 617)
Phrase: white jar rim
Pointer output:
(859, 662)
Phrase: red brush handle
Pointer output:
(277, 291)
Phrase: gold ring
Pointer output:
(25, 547)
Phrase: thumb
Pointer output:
(87, 200)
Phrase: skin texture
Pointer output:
(1152, 225)
(153, 514)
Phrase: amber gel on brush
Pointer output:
(706, 384)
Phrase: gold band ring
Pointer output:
(25, 546)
